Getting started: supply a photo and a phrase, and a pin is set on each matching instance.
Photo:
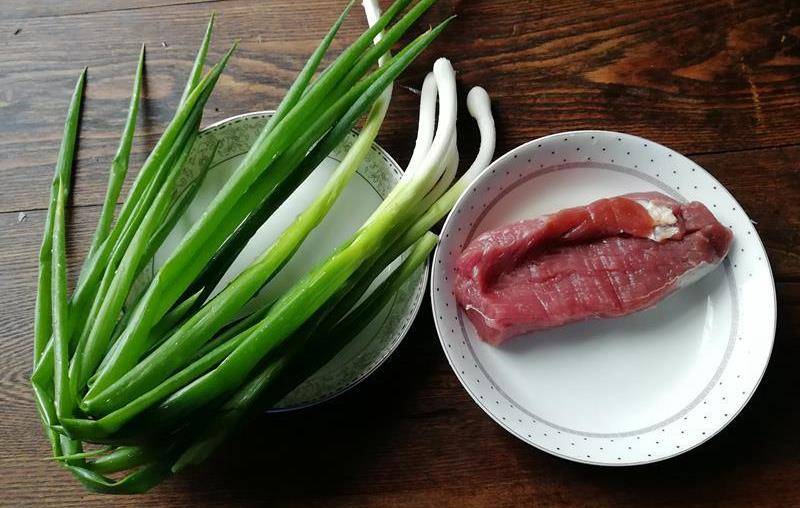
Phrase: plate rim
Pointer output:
(526, 146)
(419, 293)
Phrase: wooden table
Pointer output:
(716, 80)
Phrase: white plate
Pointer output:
(377, 175)
(625, 391)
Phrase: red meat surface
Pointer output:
(601, 260)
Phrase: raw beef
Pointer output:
(610, 258)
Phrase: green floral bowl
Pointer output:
(375, 178)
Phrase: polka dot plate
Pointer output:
(626, 391)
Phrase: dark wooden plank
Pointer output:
(32, 100)
(22, 9)
(696, 76)
(763, 181)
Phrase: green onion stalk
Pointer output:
(50, 261)
(279, 149)
(314, 290)
(176, 350)
(182, 400)
(342, 323)
(163, 375)
(170, 353)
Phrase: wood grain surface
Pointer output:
(716, 80)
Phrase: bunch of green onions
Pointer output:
(163, 377)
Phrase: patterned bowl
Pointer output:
(376, 177)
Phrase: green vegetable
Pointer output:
(163, 376)
(287, 372)
(119, 165)
(102, 325)
(177, 350)
(357, 100)
(138, 197)
(196, 73)
(50, 303)
(199, 244)
(301, 301)
(58, 288)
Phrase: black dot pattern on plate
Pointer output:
(672, 439)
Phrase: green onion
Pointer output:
(141, 480)
(196, 74)
(119, 165)
(178, 348)
(311, 292)
(355, 320)
(298, 89)
(323, 346)
(121, 459)
(150, 169)
(50, 302)
(164, 375)
(63, 396)
(177, 210)
(126, 258)
(102, 326)
(370, 89)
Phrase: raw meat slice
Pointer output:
(607, 259)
